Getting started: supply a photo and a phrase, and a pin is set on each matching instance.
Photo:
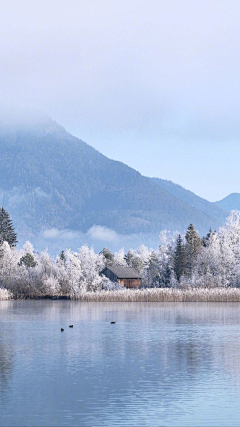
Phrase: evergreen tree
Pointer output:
(193, 247)
(166, 279)
(62, 257)
(28, 260)
(134, 261)
(179, 260)
(109, 257)
(206, 239)
(7, 232)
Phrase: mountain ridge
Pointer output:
(51, 179)
(230, 202)
(191, 198)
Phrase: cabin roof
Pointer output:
(123, 272)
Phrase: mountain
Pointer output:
(51, 180)
(230, 203)
(212, 209)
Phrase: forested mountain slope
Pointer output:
(230, 203)
(192, 199)
(48, 178)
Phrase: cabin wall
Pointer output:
(130, 283)
(127, 283)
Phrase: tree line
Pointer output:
(180, 261)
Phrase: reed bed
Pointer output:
(164, 295)
(149, 295)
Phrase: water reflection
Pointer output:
(160, 364)
(6, 366)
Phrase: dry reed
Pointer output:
(153, 295)
(164, 295)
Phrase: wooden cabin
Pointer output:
(125, 276)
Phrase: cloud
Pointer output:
(19, 195)
(55, 233)
(40, 193)
(96, 232)
(97, 236)
(99, 232)
(183, 100)
(51, 233)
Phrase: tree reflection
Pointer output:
(6, 366)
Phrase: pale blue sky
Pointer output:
(152, 83)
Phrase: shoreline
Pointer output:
(146, 295)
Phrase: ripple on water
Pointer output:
(161, 364)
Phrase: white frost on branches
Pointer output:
(28, 274)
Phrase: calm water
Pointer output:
(161, 364)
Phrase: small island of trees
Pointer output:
(183, 267)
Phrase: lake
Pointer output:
(160, 364)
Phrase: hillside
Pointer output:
(50, 179)
(229, 203)
(216, 212)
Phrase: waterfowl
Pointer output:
(70, 326)
(62, 329)
(113, 322)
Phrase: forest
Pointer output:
(181, 262)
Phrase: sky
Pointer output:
(154, 84)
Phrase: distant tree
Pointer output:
(138, 259)
(154, 270)
(206, 239)
(129, 257)
(120, 258)
(166, 259)
(62, 257)
(193, 247)
(7, 232)
(107, 254)
(166, 277)
(134, 260)
(179, 260)
(28, 260)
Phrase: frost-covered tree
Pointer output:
(214, 263)
(230, 249)
(91, 265)
(9, 261)
(120, 258)
(206, 239)
(134, 260)
(166, 259)
(218, 262)
(208, 271)
(138, 258)
(152, 271)
(51, 286)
